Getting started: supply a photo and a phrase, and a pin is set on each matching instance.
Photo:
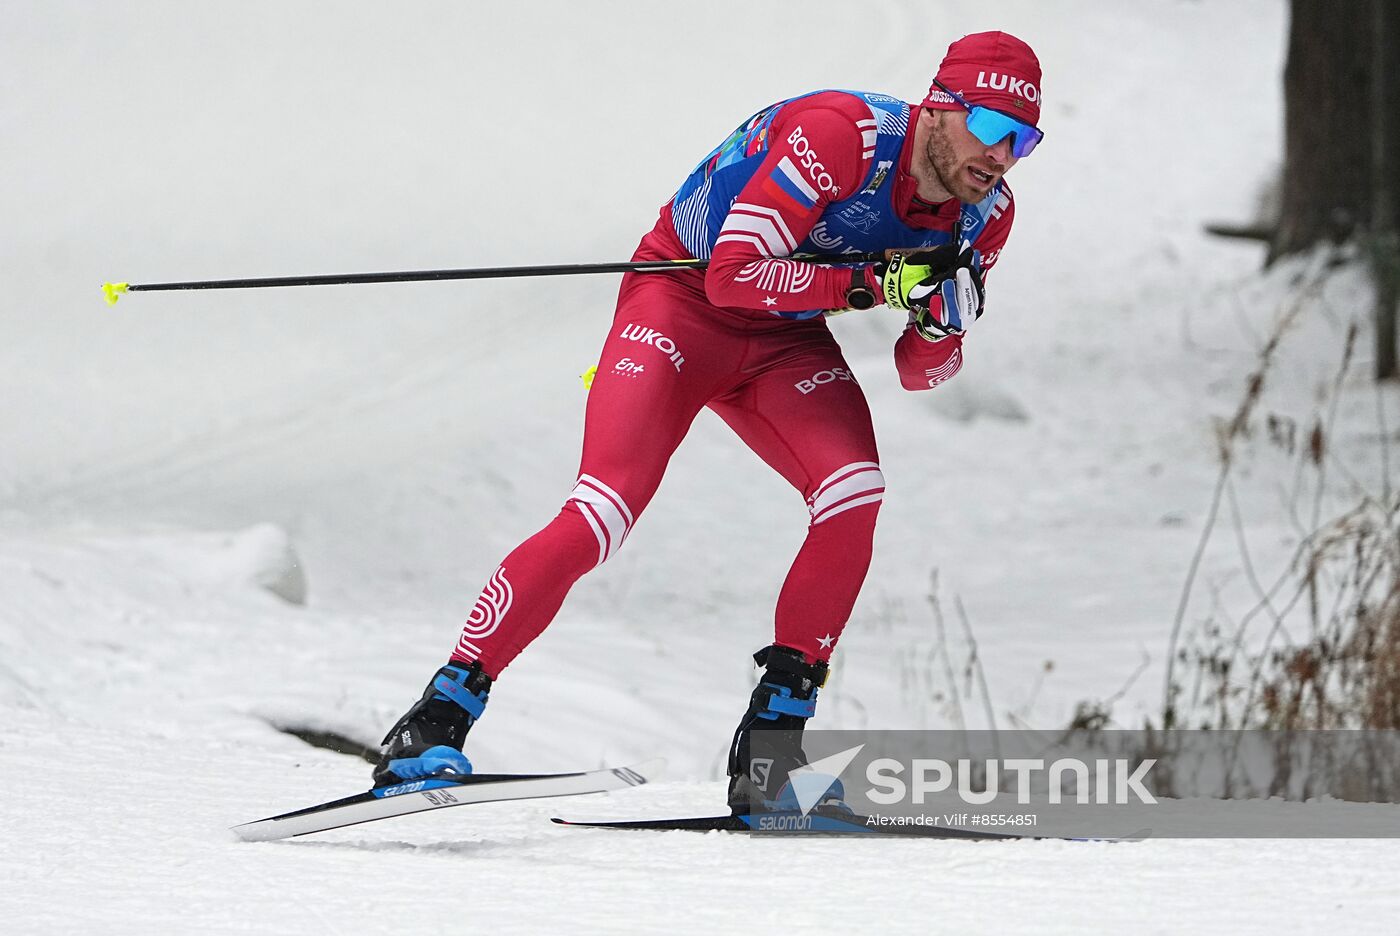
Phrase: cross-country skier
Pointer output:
(826, 172)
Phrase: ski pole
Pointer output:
(113, 291)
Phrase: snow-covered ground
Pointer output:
(161, 460)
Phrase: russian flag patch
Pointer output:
(786, 182)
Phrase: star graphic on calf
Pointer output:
(769, 301)
(826, 641)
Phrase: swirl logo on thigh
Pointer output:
(489, 608)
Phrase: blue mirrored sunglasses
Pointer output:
(991, 127)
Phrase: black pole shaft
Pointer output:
(411, 276)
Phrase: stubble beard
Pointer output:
(946, 166)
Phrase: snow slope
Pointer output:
(159, 460)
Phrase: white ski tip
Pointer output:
(260, 831)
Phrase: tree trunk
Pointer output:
(1328, 148)
(1385, 186)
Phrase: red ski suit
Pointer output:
(688, 339)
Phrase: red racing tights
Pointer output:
(782, 385)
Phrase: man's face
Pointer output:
(963, 164)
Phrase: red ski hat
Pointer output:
(994, 69)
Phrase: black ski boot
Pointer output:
(780, 706)
(428, 740)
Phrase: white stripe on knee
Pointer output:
(853, 485)
(605, 512)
